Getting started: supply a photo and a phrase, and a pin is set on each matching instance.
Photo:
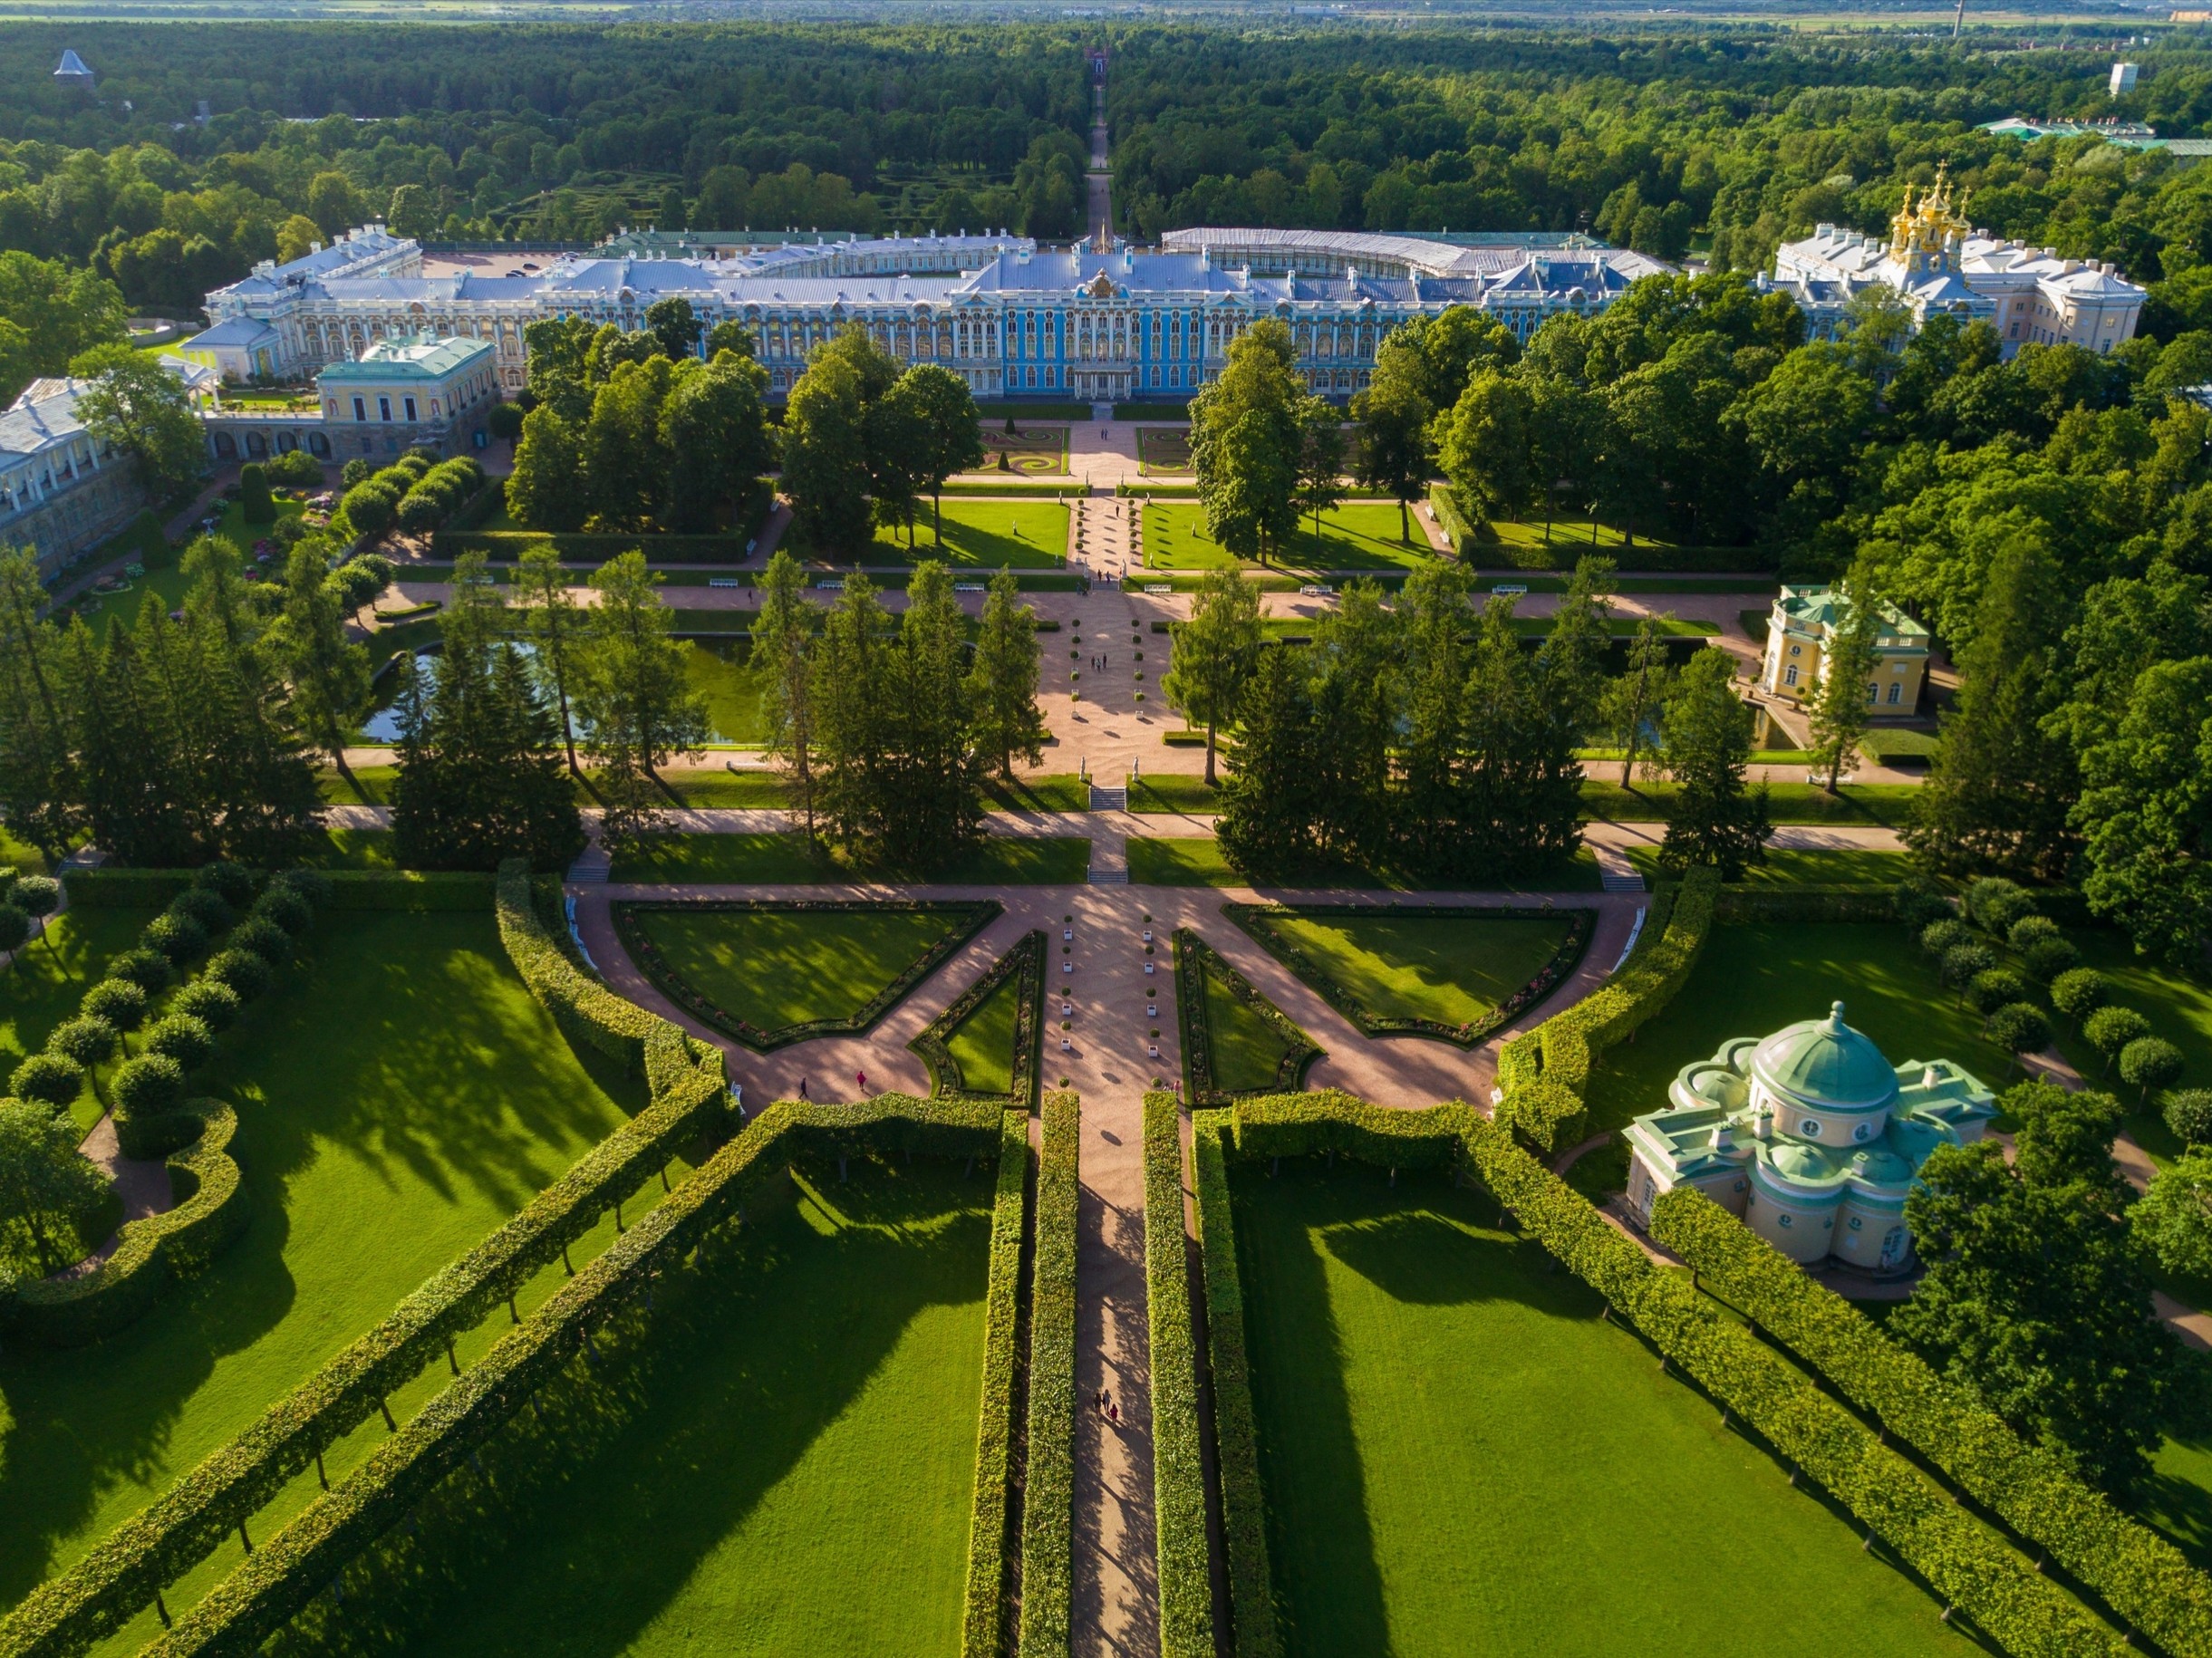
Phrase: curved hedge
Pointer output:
(2139, 1574)
(1178, 1468)
(150, 1253)
(1544, 1074)
(179, 1528)
(983, 1623)
(1048, 1474)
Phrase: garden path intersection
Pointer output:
(1113, 996)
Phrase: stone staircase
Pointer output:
(1615, 872)
(1109, 862)
(1109, 800)
(591, 866)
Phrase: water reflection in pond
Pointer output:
(720, 671)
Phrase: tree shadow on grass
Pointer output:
(597, 1510)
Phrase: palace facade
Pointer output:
(1013, 319)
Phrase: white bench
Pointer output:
(722, 581)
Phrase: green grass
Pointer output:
(41, 986)
(1458, 1457)
(784, 1466)
(1173, 792)
(1567, 532)
(1363, 535)
(722, 672)
(1058, 792)
(398, 1099)
(1823, 866)
(777, 858)
(1248, 1052)
(1196, 860)
(20, 856)
(779, 967)
(1887, 805)
(2179, 1005)
(705, 785)
(1752, 980)
(1030, 535)
(355, 849)
(1451, 969)
(982, 1044)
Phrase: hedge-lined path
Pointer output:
(142, 1183)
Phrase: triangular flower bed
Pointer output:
(1235, 1042)
(1017, 978)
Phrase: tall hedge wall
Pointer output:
(2137, 1572)
(1049, 1477)
(983, 1622)
(1178, 1470)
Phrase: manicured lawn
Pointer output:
(1248, 1052)
(42, 988)
(2179, 1005)
(1002, 859)
(1029, 534)
(1363, 535)
(777, 968)
(1451, 969)
(1567, 532)
(398, 1099)
(20, 856)
(1196, 860)
(1173, 792)
(705, 785)
(1885, 805)
(355, 849)
(1458, 1457)
(1838, 866)
(785, 1468)
(1055, 792)
(982, 1044)
(1752, 980)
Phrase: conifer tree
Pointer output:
(1634, 699)
(38, 789)
(783, 639)
(1433, 606)
(636, 698)
(557, 627)
(1716, 819)
(1503, 738)
(1214, 654)
(1320, 484)
(330, 677)
(934, 809)
(1356, 672)
(1839, 709)
(1002, 685)
(1271, 801)
(850, 691)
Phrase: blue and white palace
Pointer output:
(1014, 320)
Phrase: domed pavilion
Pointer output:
(1810, 1136)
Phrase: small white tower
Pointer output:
(2123, 79)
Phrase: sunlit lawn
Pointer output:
(1362, 535)
(982, 1044)
(1450, 969)
(1029, 534)
(49, 977)
(1012, 860)
(1196, 860)
(1248, 1051)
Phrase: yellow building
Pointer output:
(1798, 633)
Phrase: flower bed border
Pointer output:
(1027, 957)
(647, 957)
(1195, 958)
(1257, 922)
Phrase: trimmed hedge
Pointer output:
(646, 955)
(1178, 1468)
(1543, 1074)
(287, 1571)
(983, 1624)
(1332, 1122)
(150, 1254)
(1967, 1565)
(1444, 503)
(1048, 1474)
(1195, 961)
(1259, 921)
(1755, 905)
(1236, 1440)
(1026, 958)
(164, 1541)
(2137, 1572)
(415, 891)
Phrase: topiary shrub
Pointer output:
(182, 1038)
(263, 937)
(176, 939)
(369, 508)
(2048, 957)
(1995, 987)
(2148, 1063)
(2080, 992)
(1961, 962)
(37, 895)
(419, 514)
(245, 973)
(121, 1002)
(355, 471)
(2030, 930)
(311, 884)
(233, 882)
(53, 1080)
(14, 929)
(1940, 938)
(2018, 1027)
(215, 1004)
(85, 1041)
(282, 904)
(1919, 904)
(2111, 1029)
(148, 969)
(149, 1085)
(2188, 1112)
(205, 905)
(255, 505)
(1995, 904)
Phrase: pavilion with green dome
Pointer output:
(1810, 1136)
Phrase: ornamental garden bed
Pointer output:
(1234, 1040)
(1465, 1375)
(772, 973)
(1027, 451)
(1455, 974)
(987, 1043)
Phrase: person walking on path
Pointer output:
(862, 1078)
(802, 1087)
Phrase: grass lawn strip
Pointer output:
(1196, 860)
(1456, 973)
(986, 1043)
(1464, 1377)
(788, 859)
(1363, 535)
(793, 970)
(1234, 1040)
(397, 1102)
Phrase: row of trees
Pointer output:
(1424, 739)
(1265, 451)
(886, 729)
(634, 432)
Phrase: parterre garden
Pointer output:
(509, 1267)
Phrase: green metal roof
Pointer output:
(1825, 1064)
(392, 360)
